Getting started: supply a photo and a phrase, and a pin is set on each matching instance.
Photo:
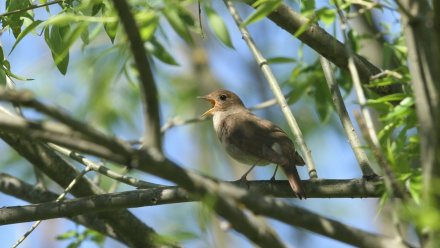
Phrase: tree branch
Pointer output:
(55, 133)
(35, 6)
(102, 169)
(26, 99)
(323, 43)
(262, 205)
(152, 137)
(350, 132)
(422, 40)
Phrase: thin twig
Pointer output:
(386, 73)
(58, 134)
(59, 199)
(35, 6)
(26, 99)
(150, 103)
(262, 62)
(350, 132)
(102, 169)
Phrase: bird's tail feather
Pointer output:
(294, 181)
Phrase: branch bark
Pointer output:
(423, 45)
(261, 205)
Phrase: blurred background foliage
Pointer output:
(74, 55)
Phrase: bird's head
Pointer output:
(221, 100)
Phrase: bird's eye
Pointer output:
(222, 97)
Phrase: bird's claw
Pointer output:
(243, 180)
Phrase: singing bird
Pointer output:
(252, 140)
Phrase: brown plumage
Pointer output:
(252, 140)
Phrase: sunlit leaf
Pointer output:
(111, 28)
(326, 15)
(67, 235)
(218, 26)
(280, 60)
(147, 23)
(264, 8)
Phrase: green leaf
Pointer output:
(96, 8)
(178, 24)
(280, 60)
(218, 26)
(307, 5)
(264, 8)
(303, 28)
(388, 98)
(322, 101)
(2, 55)
(67, 235)
(158, 51)
(2, 77)
(327, 16)
(111, 28)
(25, 32)
(147, 23)
(60, 53)
(16, 20)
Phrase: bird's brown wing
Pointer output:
(257, 137)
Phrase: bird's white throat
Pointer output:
(219, 116)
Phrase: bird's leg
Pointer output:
(243, 178)
(274, 173)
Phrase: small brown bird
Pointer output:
(252, 140)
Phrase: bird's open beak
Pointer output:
(212, 101)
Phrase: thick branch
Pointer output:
(26, 99)
(166, 195)
(424, 65)
(149, 94)
(58, 134)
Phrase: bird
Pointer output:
(252, 140)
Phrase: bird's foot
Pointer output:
(243, 180)
(371, 176)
